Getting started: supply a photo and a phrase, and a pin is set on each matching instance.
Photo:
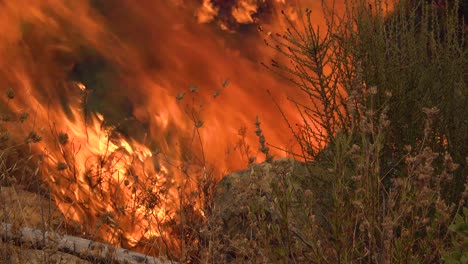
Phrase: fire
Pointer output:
(134, 100)
(206, 12)
(243, 11)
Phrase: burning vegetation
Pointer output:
(131, 118)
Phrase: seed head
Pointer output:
(10, 93)
(63, 138)
(62, 166)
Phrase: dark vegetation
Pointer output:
(384, 137)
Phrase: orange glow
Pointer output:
(191, 87)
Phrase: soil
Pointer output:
(26, 209)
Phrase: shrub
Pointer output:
(385, 90)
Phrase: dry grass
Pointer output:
(383, 143)
(392, 151)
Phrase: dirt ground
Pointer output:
(26, 209)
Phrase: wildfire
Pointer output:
(134, 100)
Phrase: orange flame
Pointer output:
(193, 90)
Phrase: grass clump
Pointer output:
(18, 164)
